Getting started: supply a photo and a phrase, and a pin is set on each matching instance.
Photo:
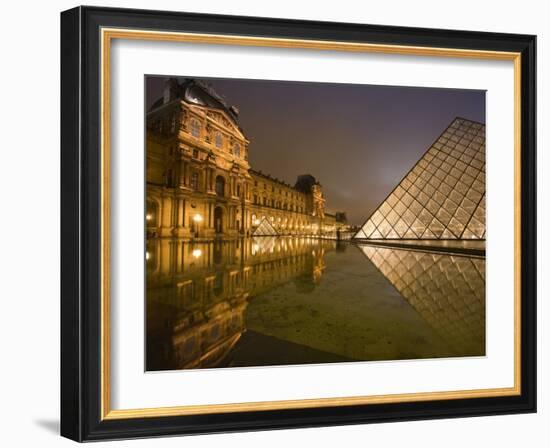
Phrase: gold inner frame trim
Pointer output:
(107, 35)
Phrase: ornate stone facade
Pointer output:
(200, 184)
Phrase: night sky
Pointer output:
(357, 140)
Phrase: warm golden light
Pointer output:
(148, 217)
(197, 218)
(147, 255)
(197, 252)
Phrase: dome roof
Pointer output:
(198, 92)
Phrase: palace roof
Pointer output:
(201, 93)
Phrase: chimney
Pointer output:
(170, 90)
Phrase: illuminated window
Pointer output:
(237, 150)
(195, 181)
(195, 128)
(219, 140)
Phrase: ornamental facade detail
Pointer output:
(200, 184)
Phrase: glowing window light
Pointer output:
(197, 218)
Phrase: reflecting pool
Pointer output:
(276, 301)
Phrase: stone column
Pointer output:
(166, 220)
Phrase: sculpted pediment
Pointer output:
(221, 118)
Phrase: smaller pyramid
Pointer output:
(265, 229)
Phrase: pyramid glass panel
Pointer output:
(442, 196)
(265, 229)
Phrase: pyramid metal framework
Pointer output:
(442, 196)
(447, 291)
(264, 229)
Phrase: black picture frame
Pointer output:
(81, 224)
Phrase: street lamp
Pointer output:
(197, 219)
(196, 253)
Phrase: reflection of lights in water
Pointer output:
(148, 217)
(197, 218)
(147, 255)
(196, 253)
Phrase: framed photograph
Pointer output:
(276, 224)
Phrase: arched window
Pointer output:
(195, 128)
(220, 186)
(237, 150)
(195, 181)
(219, 140)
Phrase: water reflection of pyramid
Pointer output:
(264, 229)
(263, 245)
(447, 291)
(442, 196)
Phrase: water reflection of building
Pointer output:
(447, 291)
(200, 183)
(197, 293)
(442, 197)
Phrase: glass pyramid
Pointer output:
(265, 229)
(442, 196)
(447, 291)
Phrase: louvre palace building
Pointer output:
(200, 183)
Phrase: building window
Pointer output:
(195, 153)
(255, 199)
(195, 128)
(237, 150)
(239, 190)
(220, 186)
(195, 181)
(169, 178)
(219, 140)
(264, 201)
